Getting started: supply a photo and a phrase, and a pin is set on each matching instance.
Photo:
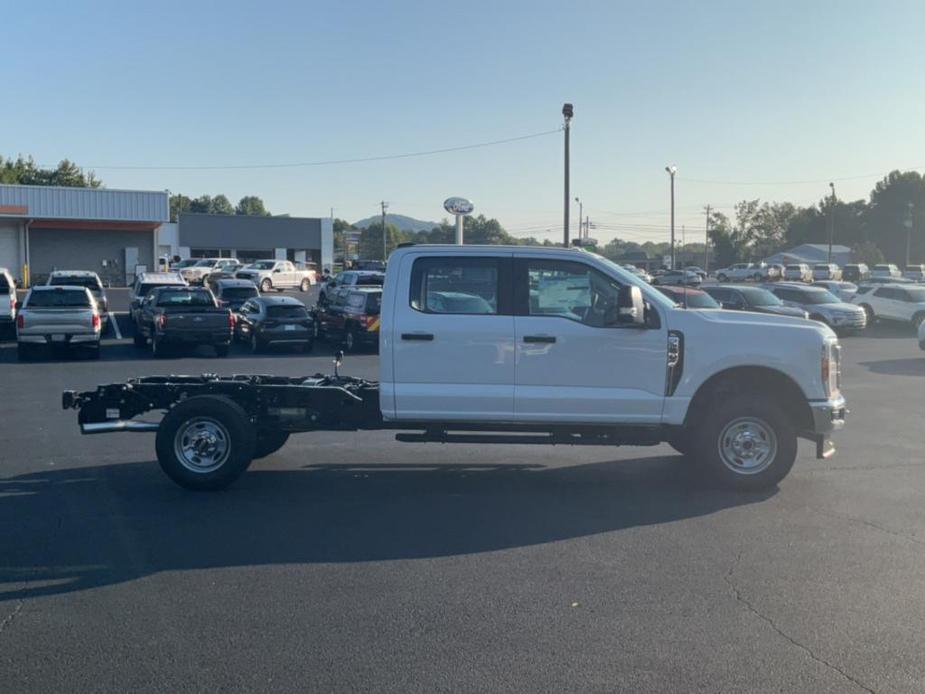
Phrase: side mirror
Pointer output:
(631, 310)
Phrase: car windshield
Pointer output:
(819, 296)
(88, 281)
(692, 300)
(755, 296)
(286, 311)
(185, 297)
(205, 263)
(189, 262)
(58, 298)
(263, 265)
(621, 272)
(370, 280)
(239, 292)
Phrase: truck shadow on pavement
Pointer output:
(70, 530)
(897, 367)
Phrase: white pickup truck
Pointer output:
(494, 344)
(277, 274)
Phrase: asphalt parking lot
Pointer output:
(355, 563)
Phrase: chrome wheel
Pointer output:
(747, 445)
(202, 445)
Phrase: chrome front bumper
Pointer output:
(828, 415)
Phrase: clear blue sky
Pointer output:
(768, 92)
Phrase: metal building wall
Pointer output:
(98, 204)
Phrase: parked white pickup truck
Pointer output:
(278, 275)
(494, 344)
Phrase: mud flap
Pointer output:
(825, 448)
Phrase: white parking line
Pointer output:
(113, 318)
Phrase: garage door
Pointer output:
(9, 248)
(102, 251)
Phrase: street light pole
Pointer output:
(706, 244)
(567, 112)
(831, 222)
(385, 255)
(672, 170)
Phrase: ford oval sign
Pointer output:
(458, 206)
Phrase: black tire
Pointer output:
(308, 346)
(714, 440)
(266, 285)
(869, 310)
(158, 348)
(268, 442)
(139, 339)
(305, 286)
(721, 278)
(256, 344)
(94, 351)
(681, 443)
(221, 351)
(23, 351)
(350, 341)
(205, 415)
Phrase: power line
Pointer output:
(793, 183)
(326, 162)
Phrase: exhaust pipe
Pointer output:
(111, 427)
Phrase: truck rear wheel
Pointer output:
(269, 441)
(205, 443)
(305, 286)
(745, 444)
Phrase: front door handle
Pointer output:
(421, 337)
(542, 339)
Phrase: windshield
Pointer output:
(91, 283)
(820, 296)
(760, 297)
(263, 265)
(239, 292)
(286, 311)
(189, 262)
(370, 280)
(693, 299)
(205, 263)
(185, 297)
(58, 298)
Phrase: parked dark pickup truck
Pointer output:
(171, 316)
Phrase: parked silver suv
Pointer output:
(58, 316)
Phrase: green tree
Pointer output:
(206, 204)
(251, 205)
(24, 171)
(371, 240)
(723, 240)
(179, 204)
(887, 213)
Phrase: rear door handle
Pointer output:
(545, 339)
(420, 337)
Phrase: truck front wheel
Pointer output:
(266, 285)
(205, 443)
(745, 444)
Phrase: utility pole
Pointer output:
(385, 254)
(831, 221)
(567, 113)
(672, 170)
(908, 224)
(706, 244)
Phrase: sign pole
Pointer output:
(459, 229)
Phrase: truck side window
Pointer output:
(572, 290)
(455, 285)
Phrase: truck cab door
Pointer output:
(575, 361)
(450, 339)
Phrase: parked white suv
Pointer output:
(826, 271)
(896, 302)
(7, 301)
(741, 272)
(798, 272)
(886, 270)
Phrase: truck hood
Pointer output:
(747, 319)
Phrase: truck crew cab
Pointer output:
(495, 344)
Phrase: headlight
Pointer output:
(831, 368)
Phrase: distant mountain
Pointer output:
(401, 221)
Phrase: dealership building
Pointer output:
(117, 233)
(113, 232)
(247, 238)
